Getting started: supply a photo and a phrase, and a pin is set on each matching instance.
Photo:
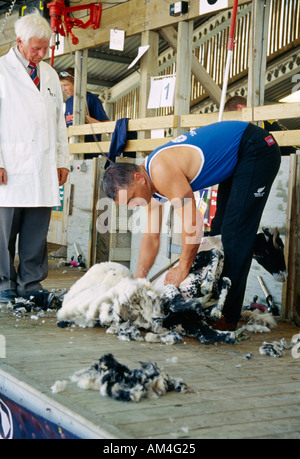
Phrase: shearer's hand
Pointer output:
(175, 276)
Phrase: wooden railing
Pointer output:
(144, 125)
(171, 122)
(255, 114)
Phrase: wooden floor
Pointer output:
(231, 397)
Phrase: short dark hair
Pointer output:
(67, 75)
(233, 102)
(118, 176)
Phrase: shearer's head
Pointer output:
(128, 184)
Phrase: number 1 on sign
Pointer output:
(167, 93)
(166, 89)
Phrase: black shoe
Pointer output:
(44, 299)
(7, 295)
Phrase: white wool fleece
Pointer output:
(109, 294)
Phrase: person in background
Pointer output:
(95, 112)
(34, 157)
(237, 103)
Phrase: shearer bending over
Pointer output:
(242, 158)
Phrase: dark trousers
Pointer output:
(32, 226)
(240, 204)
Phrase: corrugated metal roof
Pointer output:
(108, 67)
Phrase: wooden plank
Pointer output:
(141, 124)
(258, 52)
(148, 69)
(199, 119)
(270, 112)
(131, 145)
(287, 138)
(296, 308)
(289, 250)
(183, 68)
(250, 114)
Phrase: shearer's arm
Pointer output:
(151, 239)
(171, 181)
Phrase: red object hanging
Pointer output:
(230, 44)
(61, 23)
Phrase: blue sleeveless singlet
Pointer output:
(218, 145)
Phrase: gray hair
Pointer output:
(118, 176)
(32, 25)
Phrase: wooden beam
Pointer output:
(148, 15)
(288, 291)
(183, 70)
(131, 145)
(142, 124)
(258, 53)
(148, 69)
(287, 138)
(80, 81)
(268, 112)
(169, 34)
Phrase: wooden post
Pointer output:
(149, 68)
(183, 70)
(296, 312)
(258, 52)
(290, 294)
(80, 85)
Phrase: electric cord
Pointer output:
(9, 12)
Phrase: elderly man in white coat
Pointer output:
(34, 156)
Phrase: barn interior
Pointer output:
(132, 52)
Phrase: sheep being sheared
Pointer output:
(205, 282)
(107, 294)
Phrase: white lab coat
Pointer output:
(33, 135)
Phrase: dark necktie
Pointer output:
(34, 75)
